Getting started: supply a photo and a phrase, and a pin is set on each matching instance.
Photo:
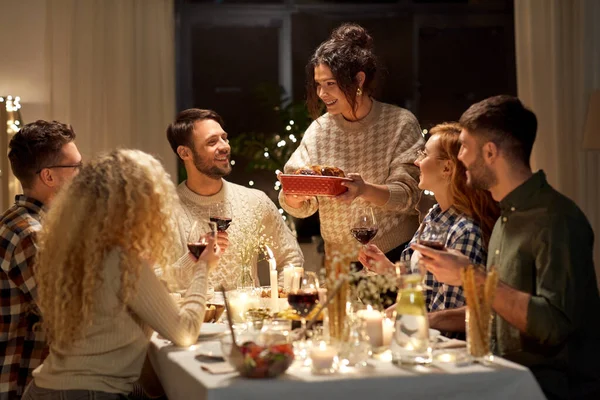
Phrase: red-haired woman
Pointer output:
(469, 215)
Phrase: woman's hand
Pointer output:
(294, 200)
(375, 260)
(211, 253)
(356, 188)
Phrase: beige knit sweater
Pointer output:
(110, 355)
(382, 147)
(251, 209)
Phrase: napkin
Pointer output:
(450, 344)
(217, 368)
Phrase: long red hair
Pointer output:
(475, 203)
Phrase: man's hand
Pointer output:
(223, 240)
(375, 260)
(445, 265)
(356, 188)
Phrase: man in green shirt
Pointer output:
(542, 248)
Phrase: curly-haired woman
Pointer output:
(98, 292)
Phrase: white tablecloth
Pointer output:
(183, 379)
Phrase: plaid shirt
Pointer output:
(465, 236)
(21, 349)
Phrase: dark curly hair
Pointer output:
(36, 146)
(348, 51)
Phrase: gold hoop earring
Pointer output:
(359, 92)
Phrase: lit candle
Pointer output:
(273, 278)
(374, 323)
(239, 303)
(388, 331)
(288, 274)
(323, 357)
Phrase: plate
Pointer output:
(313, 185)
(210, 330)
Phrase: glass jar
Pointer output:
(245, 280)
(410, 344)
(355, 349)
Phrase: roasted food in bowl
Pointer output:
(322, 170)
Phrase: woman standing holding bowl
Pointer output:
(376, 144)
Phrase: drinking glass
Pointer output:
(364, 225)
(197, 240)
(220, 213)
(433, 235)
(304, 295)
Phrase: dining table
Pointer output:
(180, 371)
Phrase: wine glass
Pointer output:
(198, 240)
(220, 213)
(433, 235)
(364, 225)
(304, 294)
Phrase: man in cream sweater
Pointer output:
(198, 139)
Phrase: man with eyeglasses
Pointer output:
(43, 157)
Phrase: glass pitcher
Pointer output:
(410, 344)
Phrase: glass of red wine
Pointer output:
(197, 240)
(220, 214)
(364, 226)
(304, 294)
(433, 235)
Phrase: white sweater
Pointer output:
(382, 147)
(250, 208)
(110, 356)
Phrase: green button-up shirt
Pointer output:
(542, 245)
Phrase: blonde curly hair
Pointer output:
(123, 200)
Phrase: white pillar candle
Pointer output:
(374, 325)
(274, 291)
(322, 356)
(388, 331)
(288, 274)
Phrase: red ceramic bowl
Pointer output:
(312, 185)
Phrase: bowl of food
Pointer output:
(318, 180)
(259, 359)
(213, 312)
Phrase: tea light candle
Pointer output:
(388, 331)
(288, 274)
(239, 304)
(374, 324)
(322, 356)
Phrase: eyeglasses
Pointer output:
(76, 166)
(421, 154)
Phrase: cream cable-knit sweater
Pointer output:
(249, 207)
(382, 147)
(110, 356)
